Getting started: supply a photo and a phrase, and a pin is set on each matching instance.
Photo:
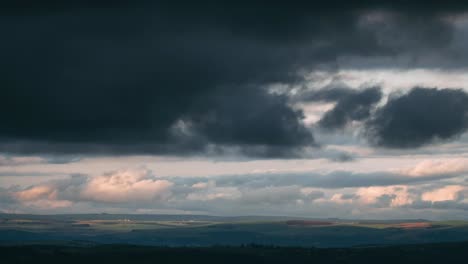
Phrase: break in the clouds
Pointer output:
(322, 108)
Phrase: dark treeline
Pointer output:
(426, 253)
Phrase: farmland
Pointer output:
(197, 230)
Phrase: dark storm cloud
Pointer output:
(351, 105)
(420, 117)
(142, 77)
(327, 94)
(232, 116)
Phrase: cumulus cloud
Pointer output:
(37, 192)
(351, 105)
(126, 185)
(341, 198)
(393, 196)
(123, 186)
(446, 193)
(419, 117)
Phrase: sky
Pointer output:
(347, 109)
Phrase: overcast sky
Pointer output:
(349, 109)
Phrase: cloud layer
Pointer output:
(430, 184)
(114, 80)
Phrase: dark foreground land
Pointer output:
(425, 253)
(103, 238)
(207, 231)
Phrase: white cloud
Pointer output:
(114, 187)
(37, 192)
(398, 195)
(328, 194)
(438, 167)
(447, 193)
(126, 185)
(203, 185)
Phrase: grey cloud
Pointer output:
(343, 157)
(12, 160)
(278, 195)
(164, 78)
(62, 159)
(349, 196)
(18, 161)
(30, 173)
(331, 180)
(5, 195)
(420, 117)
(443, 205)
(385, 200)
(351, 104)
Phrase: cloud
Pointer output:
(327, 194)
(203, 185)
(344, 198)
(37, 192)
(48, 204)
(393, 196)
(12, 160)
(18, 161)
(123, 186)
(135, 78)
(420, 117)
(280, 195)
(351, 105)
(425, 171)
(263, 124)
(438, 167)
(446, 193)
(16, 173)
(343, 157)
(215, 193)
